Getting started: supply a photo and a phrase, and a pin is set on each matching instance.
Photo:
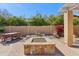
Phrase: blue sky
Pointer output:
(29, 9)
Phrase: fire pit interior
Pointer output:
(39, 40)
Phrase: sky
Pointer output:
(30, 9)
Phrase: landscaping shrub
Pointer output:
(60, 30)
(1, 29)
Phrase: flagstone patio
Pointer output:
(17, 49)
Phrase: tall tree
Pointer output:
(38, 20)
(5, 13)
(16, 21)
(2, 21)
(54, 20)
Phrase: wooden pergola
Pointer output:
(68, 10)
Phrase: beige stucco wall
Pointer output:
(30, 29)
(76, 30)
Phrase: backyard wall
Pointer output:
(30, 29)
(76, 30)
(34, 29)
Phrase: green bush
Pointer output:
(1, 29)
(75, 21)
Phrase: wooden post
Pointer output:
(68, 27)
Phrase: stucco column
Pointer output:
(68, 28)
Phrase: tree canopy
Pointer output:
(55, 20)
(16, 21)
(37, 20)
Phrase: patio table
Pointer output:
(10, 36)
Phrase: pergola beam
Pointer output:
(69, 6)
(74, 6)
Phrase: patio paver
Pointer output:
(67, 51)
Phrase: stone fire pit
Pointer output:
(39, 46)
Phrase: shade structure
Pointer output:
(68, 9)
